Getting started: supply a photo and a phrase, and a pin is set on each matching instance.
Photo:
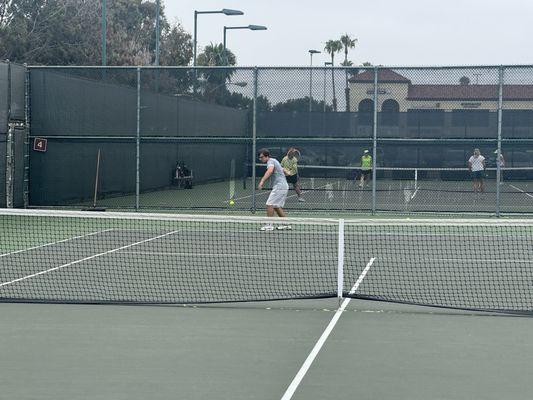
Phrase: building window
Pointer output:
(366, 112)
(389, 112)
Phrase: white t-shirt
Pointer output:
(501, 161)
(477, 163)
(278, 176)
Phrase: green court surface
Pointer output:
(255, 351)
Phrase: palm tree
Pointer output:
(348, 43)
(214, 56)
(332, 47)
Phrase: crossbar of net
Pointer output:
(88, 257)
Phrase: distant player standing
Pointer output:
(476, 165)
(289, 164)
(280, 188)
(366, 168)
(500, 162)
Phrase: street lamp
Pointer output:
(104, 32)
(250, 27)
(225, 11)
(311, 52)
(326, 64)
(157, 31)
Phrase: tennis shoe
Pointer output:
(301, 199)
(284, 227)
(267, 228)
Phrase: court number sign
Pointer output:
(39, 144)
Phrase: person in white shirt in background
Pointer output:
(500, 161)
(476, 166)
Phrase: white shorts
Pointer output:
(277, 197)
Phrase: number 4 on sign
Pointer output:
(39, 144)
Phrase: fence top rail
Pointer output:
(280, 67)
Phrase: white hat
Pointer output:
(366, 151)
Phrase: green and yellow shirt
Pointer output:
(366, 162)
(290, 164)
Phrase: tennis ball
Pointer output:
(231, 202)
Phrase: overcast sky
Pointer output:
(390, 32)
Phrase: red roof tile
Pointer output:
(384, 75)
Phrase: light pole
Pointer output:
(157, 34)
(250, 27)
(325, 78)
(311, 52)
(224, 11)
(104, 32)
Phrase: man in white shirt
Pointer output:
(280, 188)
(476, 166)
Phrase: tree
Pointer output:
(300, 105)
(68, 32)
(332, 47)
(348, 43)
(215, 79)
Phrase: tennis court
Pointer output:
(300, 347)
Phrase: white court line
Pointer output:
(53, 243)
(159, 253)
(520, 190)
(311, 357)
(86, 259)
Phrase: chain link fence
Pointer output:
(184, 138)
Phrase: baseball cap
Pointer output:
(366, 152)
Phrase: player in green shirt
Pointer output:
(366, 168)
(289, 163)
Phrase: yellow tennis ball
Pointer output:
(231, 202)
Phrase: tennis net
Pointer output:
(88, 257)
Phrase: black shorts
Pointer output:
(478, 174)
(366, 172)
(292, 179)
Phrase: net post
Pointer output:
(499, 150)
(340, 261)
(138, 142)
(374, 140)
(254, 139)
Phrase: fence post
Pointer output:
(499, 151)
(138, 143)
(10, 165)
(374, 140)
(8, 173)
(254, 139)
(27, 140)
